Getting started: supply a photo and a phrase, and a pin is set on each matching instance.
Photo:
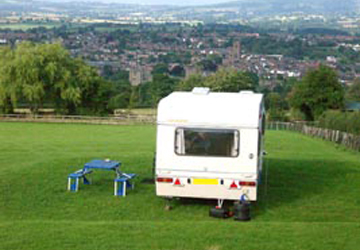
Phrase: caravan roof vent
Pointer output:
(246, 92)
(201, 91)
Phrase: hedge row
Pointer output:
(344, 121)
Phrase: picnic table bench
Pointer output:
(121, 183)
(73, 179)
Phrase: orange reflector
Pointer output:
(247, 183)
(165, 180)
(177, 182)
(233, 185)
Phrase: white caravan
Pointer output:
(209, 145)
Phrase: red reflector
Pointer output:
(233, 185)
(177, 182)
(166, 180)
(247, 183)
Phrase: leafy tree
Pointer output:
(37, 70)
(120, 96)
(28, 74)
(229, 80)
(46, 73)
(134, 97)
(195, 80)
(353, 93)
(94, 90)
(208, 65)
(343, 121)
(254, 78)
(283, 88)
(161, 86)
(224, 80)
(160, 69)
(275, 106)
(217, 59)
(144, 95)
(318, 91)
(117, 102)
(107, 71)
(177, 71)
(120, 75)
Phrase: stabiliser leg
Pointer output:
(168, 205)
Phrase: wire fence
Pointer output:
(126, 119)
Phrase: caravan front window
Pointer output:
(207, 142)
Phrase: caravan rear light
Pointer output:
(247, 183)
(165, 180)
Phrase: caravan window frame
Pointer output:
(236, 135)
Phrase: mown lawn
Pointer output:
(311, 200)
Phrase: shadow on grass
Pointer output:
(287, 181)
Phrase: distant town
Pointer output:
(190, 40)
(199, 49)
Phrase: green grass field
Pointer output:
(312, 199)
(112, 29)
(25, 26)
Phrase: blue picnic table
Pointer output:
(108, 165)
(103, 165)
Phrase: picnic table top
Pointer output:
(102, 164)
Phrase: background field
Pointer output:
(28, 26)
(311, 200)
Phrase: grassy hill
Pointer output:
(311, 200)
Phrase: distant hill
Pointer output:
(231, 10)
(271, 7)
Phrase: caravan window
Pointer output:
(207, 142)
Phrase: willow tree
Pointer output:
(45, 73)
(27, 66)
(9, 92)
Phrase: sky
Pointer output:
(168, 2)
(177, 2)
